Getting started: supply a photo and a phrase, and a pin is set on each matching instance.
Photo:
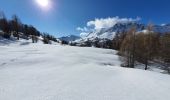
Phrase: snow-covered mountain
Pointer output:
(162, 28)
(109, 33)
(70, 38)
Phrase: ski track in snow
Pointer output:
(54, 72)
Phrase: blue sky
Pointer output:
(64, 16)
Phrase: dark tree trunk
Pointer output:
(146, 64)
(17, 35)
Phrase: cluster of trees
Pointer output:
(47, 38)
(134, 46)
(143, 47)
(16, 28)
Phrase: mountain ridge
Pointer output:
(109, 33)
(69, 38)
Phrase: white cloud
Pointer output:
(109, 22)
(82, 29)
(163, 24)
(100, 23)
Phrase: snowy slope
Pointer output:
(21, 41)
(54, 72)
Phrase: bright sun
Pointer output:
(43, 3)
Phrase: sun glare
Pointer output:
(43, 3)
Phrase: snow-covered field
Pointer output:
(54, 72)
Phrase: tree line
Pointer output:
(14, 27)
(143, 47)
